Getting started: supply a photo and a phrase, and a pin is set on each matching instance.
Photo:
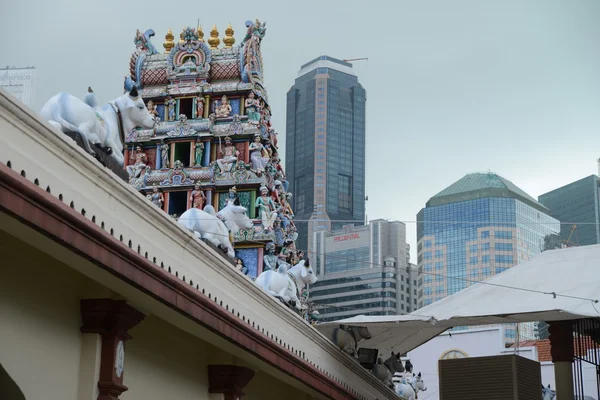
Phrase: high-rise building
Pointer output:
(364, 270)
(325, 147)
(19, 82)
(577, 203)
(477, 227)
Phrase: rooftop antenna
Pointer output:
(355, 59)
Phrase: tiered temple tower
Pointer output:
(213, 141)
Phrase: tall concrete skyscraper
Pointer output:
(325, 148)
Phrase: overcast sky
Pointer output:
(511, 86)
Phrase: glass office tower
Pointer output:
(325, 148)
(577, 203)
(476, 228)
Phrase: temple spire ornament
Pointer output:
(181, 39)
(229, 40)
(214, 41)
(169, 42)
(200, 34)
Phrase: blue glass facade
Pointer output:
(467, 241)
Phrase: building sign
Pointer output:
(344, 238)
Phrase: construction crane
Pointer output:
(573, 228)
(355, 59)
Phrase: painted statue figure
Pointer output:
(409, 388)
(228, 156)
(223, 110)
(252, 111)
(199, 107)
(270, 261)
(258, 157)
(164, 155)
(286, 211)
(287, 287)
(198, 152)
(232, 197)
(105, 126)
(139, 165)
(170, 106)
(197, 198)
(153, 111)
(266, 209)
(207, 224)
(279, 233)
(157, 197)
(239, 265)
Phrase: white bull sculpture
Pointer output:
(287, 286)
(206, 224)
(408, 388)
(105, 126)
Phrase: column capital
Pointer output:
(561, 341)
(111, 319)
(228, 380)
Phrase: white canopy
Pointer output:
(555, 285)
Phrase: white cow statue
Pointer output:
(206, 224)
(549, 394)
(105, 126)
(408, 388)
(287, 286)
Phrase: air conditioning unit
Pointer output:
(506, 377)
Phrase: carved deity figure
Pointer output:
(153, 111)
(228, 156)
(141, 159)
(270, 261)
(170, 106)
(232, 198)
(157, 197)
(198, 153)
(252, 109)
(239, 265)
(258, 155)
(286, 211)
(197, 198)
(199, 107)
(266, 209)
(164, 155)
(223, 110)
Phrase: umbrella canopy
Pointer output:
(554, 285)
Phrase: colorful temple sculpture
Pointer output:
(212, 144)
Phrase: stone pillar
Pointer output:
(242, 106)
(562, 351)
(206, 106)
(228, 380)
(209, 197)
(111, 319)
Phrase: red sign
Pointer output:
(343, 238)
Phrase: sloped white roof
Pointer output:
(555, 285)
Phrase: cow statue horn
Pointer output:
(134, 92)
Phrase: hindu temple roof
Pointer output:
(480, 185)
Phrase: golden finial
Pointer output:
(214, 41)
(169, 43)
(229, 40)
(200, 34)
(181, 36)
